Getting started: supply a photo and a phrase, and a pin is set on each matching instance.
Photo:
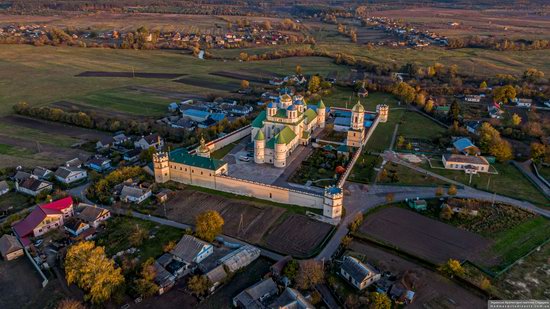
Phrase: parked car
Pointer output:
(244, 158)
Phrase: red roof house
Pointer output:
(44, 218)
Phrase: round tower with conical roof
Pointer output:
(259, 147)
(321, 114)
(279, 155)
(358, 117)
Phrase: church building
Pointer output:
(286, 123)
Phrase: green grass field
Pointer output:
(414, 125)
(36, 135)
(345, 97)
(509, 182)
(127, 101)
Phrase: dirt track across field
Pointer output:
(128, 74)
(243, 76)
(194, 81)
(424, 237)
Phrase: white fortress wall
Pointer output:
(227, 139)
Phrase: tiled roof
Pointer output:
(466, 159)
(259, 120)
(59, 204)
(181, 156)
(26, 226)
(64, 171)
(135, 192)
(33, 184)
(91, 213)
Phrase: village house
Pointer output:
(21, 176)
(69, 175)
(10, 248)
(465, 146)
(472, 98)
(524, 103)
(151, 140)
(192, 250)
(110, 141)
(75, 226)
(473, 126)
(44, 218)
(358, 274)
(99, 164)
(93, 215)
(134, 194)
(291, 299)
(163, 278)
(4, 187)
(32, 186)
(469, 164)
(76, 162)
(417, 204)
(256, 296)
(42, 173)
(132, 155)
(195, 114)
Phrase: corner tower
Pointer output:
(383, 111)
(333, 202)
(161, 167)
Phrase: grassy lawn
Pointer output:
(544, 171)
(363, 171)
(414, 125)
(319, 167)
(512, 244)
(127, 101)
(117, 233)
(380, 139)
(340, 97)
(222, 152)
(509, 182)
(407, 176)
(14, 151)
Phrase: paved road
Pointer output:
(363, 198)
(527, 170)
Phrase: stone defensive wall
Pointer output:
(225, 140)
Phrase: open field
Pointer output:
(414, 125)
(509, 181)
(13, 202)
(427, 238)
(516, 24)
(432, 289)
(407, 176)
(297, 235)
(107, 21)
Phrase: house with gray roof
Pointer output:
(32, 186)
(358, 274)
(240, 258)
(134, 194)
(256, 296)
(41, 172)
(68, 175)
(291, 299)
(93, 215)
(10, 248)
(192, 250)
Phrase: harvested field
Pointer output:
(186, 205)
(177, 95)
(426, 238)
(194, 81)
(128, 74)
(54, 127)
(432, 290)
(70, 106)
(298, 235)
(41, 149)
(240, 76)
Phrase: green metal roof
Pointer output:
(321, 104)
(259, 121)
(181, 156)
(260, 135)
(310, 115)
(284, 137)
(281, 113)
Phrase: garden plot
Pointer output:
(298, 236)
(426, 238)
